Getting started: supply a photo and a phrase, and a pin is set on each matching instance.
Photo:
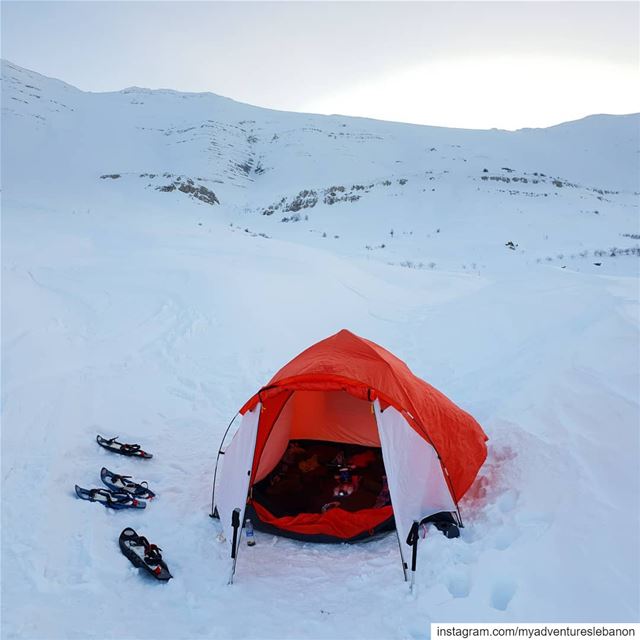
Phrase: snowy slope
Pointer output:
(453, 198)
(133, 309)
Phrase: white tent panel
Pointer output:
(416, 480)
(233, 488)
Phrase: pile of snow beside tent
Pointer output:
(132, 315)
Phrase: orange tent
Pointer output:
(346, 389)
(367, 371)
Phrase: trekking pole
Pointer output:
(235, 523)
(412, 540)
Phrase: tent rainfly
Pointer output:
(344, 442)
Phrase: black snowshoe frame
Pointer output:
(110, 499)
(143, 554)
(131, 450)
(119, 483)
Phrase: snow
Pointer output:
(153, 316)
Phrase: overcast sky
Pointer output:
(459, 64)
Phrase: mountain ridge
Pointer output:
(167, 90)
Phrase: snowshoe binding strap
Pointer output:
(151, 551)
(126, 449)
(126, 480)
(112, 497)
(133, 450)
(130, 448)
(118, 482)
(101, 492)
(142, 542)
(152, 554)
(108, 498)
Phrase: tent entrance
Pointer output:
(315, 476)
(295, 488)
(331, 491)
(328, 416)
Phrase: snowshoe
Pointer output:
(110, 499)
(143, 554)
(112, 444)
(125, 483)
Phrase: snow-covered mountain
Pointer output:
(164, 253)
(452, 197)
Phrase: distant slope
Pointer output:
(551, 192)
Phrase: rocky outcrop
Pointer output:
(188, 186)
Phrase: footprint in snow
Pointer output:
(507, 501)
(459, 583)
(505, 537)
(502, 593)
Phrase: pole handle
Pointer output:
(235, 523)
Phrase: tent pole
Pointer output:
(404, 564)
(212, 514)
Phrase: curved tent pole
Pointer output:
(215, 472)
(404, 564)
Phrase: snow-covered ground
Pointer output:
(153, 314)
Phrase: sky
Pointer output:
(459, 64)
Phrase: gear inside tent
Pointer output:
(343, 443)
